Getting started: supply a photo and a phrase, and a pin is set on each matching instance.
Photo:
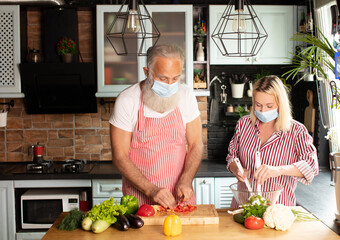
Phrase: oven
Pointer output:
(41, 207)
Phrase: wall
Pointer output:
(64, 136)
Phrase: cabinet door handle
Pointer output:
(204, 182)
(256, 59)
(109, 188)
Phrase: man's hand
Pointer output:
(184, 189)
(163, 196)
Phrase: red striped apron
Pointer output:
(158, 150)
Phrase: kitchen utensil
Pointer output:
(257, 165)
(204, 214)
(214, 113)
(223, 94)
(240, 168)
(309, 118)
(3, 118)
(242, 195)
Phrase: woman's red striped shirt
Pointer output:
(294, 147)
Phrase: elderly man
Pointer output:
(150, 126)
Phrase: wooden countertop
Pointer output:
(226, 229)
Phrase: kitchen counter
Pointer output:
(100, 170)
(226, 228)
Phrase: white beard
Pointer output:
(157, 103)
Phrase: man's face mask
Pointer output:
(163, 89)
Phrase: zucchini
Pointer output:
(239, 218)
(100, 226)
(86, 224)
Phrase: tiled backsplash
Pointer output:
(64, 136)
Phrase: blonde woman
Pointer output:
(269, 135)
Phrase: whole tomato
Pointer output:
(146, 211)
(253, 223)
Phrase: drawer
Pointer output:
(96, 201)
(107, 188)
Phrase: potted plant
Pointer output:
(315, 56)
(237, 85)
(319, 55)
(66, 47)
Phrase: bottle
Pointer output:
(302, 26)
(34, 56)
(309, 25)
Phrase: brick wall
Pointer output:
(64, 136)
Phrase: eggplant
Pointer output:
(135, 221)
(122, 223)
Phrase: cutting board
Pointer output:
(204, 214)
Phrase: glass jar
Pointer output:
(34, 56)
(230, 108)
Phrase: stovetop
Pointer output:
(50, 167)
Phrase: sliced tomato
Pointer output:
(253, 223)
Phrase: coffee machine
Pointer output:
(38, 151)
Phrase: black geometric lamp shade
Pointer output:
(132, 23)
(239, 32)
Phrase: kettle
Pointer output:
(37, 153)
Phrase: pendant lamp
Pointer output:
(129, 28)
(239, 32)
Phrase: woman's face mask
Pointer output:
(267, 116)
(163, 89)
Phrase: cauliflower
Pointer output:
(279, 217)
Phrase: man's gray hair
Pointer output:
(163, 51)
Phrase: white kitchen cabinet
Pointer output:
(205, 190)
(104, 189)
(223, 194)
(115, 72)
(7, 210)
(30, 235)
(279, 22)
(214, 190)
(10, 83)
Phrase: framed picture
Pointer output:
(337, 65)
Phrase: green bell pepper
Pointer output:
(131, 202)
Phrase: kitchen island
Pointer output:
(226, 229)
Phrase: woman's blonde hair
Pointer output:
(273, 85)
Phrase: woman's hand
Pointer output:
(265, 171)
(234, 169)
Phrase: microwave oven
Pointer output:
(41, 207)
